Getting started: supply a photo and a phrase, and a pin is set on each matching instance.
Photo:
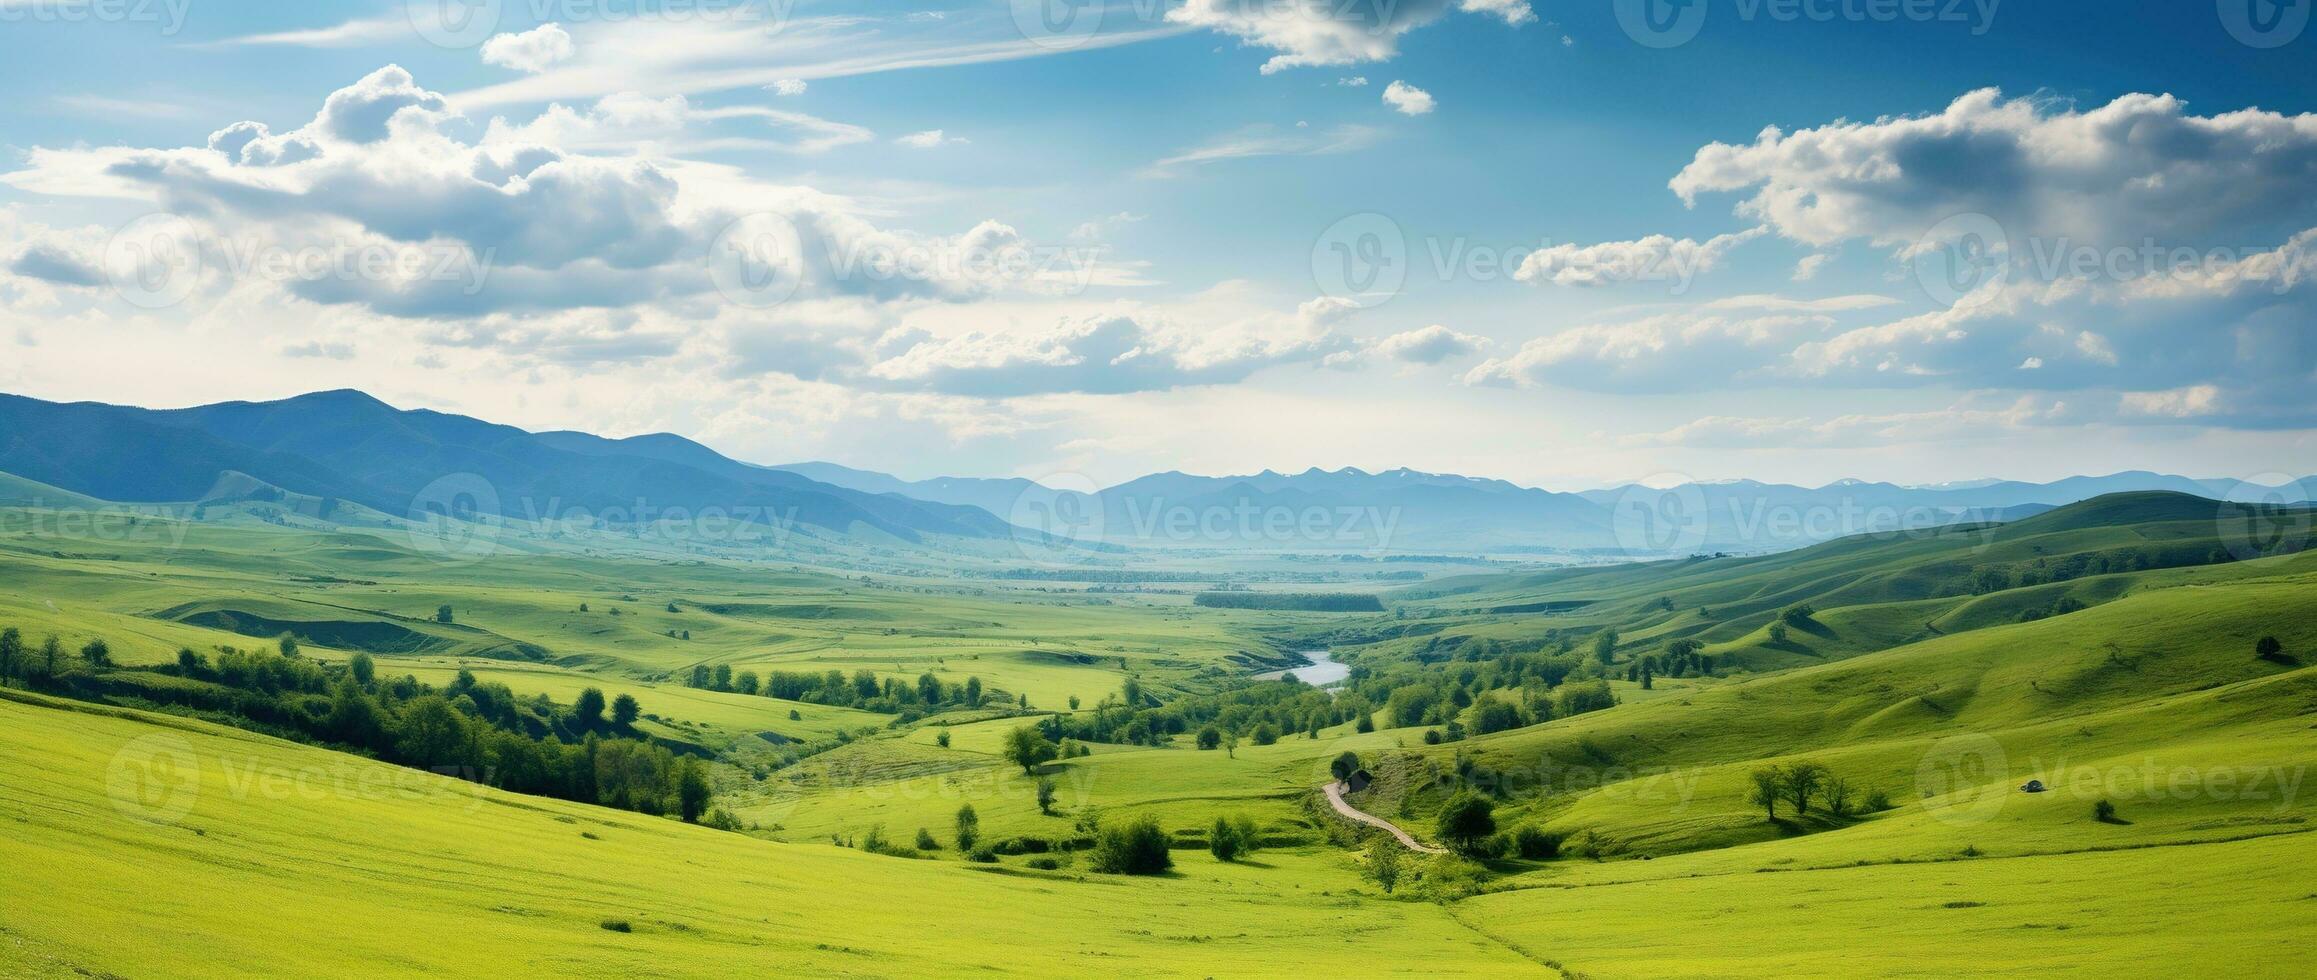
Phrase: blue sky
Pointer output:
(1127, 248)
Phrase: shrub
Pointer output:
(617, 925)
(1344, 765)
(1210, 737)
(2104, 812)
(1876, 802)
(925, 841)
(969, 827)
(1537, 844)
(1046, 795)
(941, 740)
(1136, 847)
(1223, 840)
(1044, 864)
(982, 855)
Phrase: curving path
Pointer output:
(1335, 798)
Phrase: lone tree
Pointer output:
(1466, 822)
(1046, 796)
(1027, 747)
(2268, 648)
(969, 827)
(625, 710)
(1136, 847)
(1223, 840)
(442, 613)
(1769, 783)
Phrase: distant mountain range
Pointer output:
(1406, 510)
(349, 446)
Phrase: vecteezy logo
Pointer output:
(1661, 23)
(155, 777)
(2265, 23)
(1057, 518)
(1362, 259)
(454, 23)
(155, 261)
(1651, 521)
(1963, 779)
(757, 261)
(2266, 515)
(453, 518)
(1058, 24)
(1963, 260)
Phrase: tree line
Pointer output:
(588, 751)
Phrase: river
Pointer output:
(1324, 671)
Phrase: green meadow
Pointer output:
(2116, 654)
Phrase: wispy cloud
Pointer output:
(1266, 141)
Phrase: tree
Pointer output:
(691, 790)
(1132, 693)
(925, 841)
(1210, 737)
(442, 613)
(1605, 645)
(969, 827)
(2268, 648)
(44, 666)
(625, 711)
(1838, 794)
(1777, 634)
(1223, 840)
(353, 718)
(1383, 864)
(364, 669)
(1073, 702)
(723, 680)
(11, 653)
(1265, 734)
(973, 692)
(1027, 747)
(1046, 796)
(587, 711)
(1137, 847)
(1344, 765)
(1465, 823)
(942, 739)
(1802, 782)
(287, 644)
(1769, 783)
(432, 733)
(98, 653)
(1799, 614)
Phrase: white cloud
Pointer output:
(787, 86)
(1309, 33)
(1807, 269)
(535, 50)
(1430, 345)
(1355, 81)
(350, 33)
(1408, 100)
(2140, 167)
(1657, 258)
(928, 139)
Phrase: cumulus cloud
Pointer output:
(1657, 258)
(1109, 353)
(2140, 167)
(1310, 33)
(1406, 99)
(1430, 345)
(535, 50)
(787, 86)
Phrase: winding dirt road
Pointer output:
(1335, 798)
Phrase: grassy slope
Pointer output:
(375, 870)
